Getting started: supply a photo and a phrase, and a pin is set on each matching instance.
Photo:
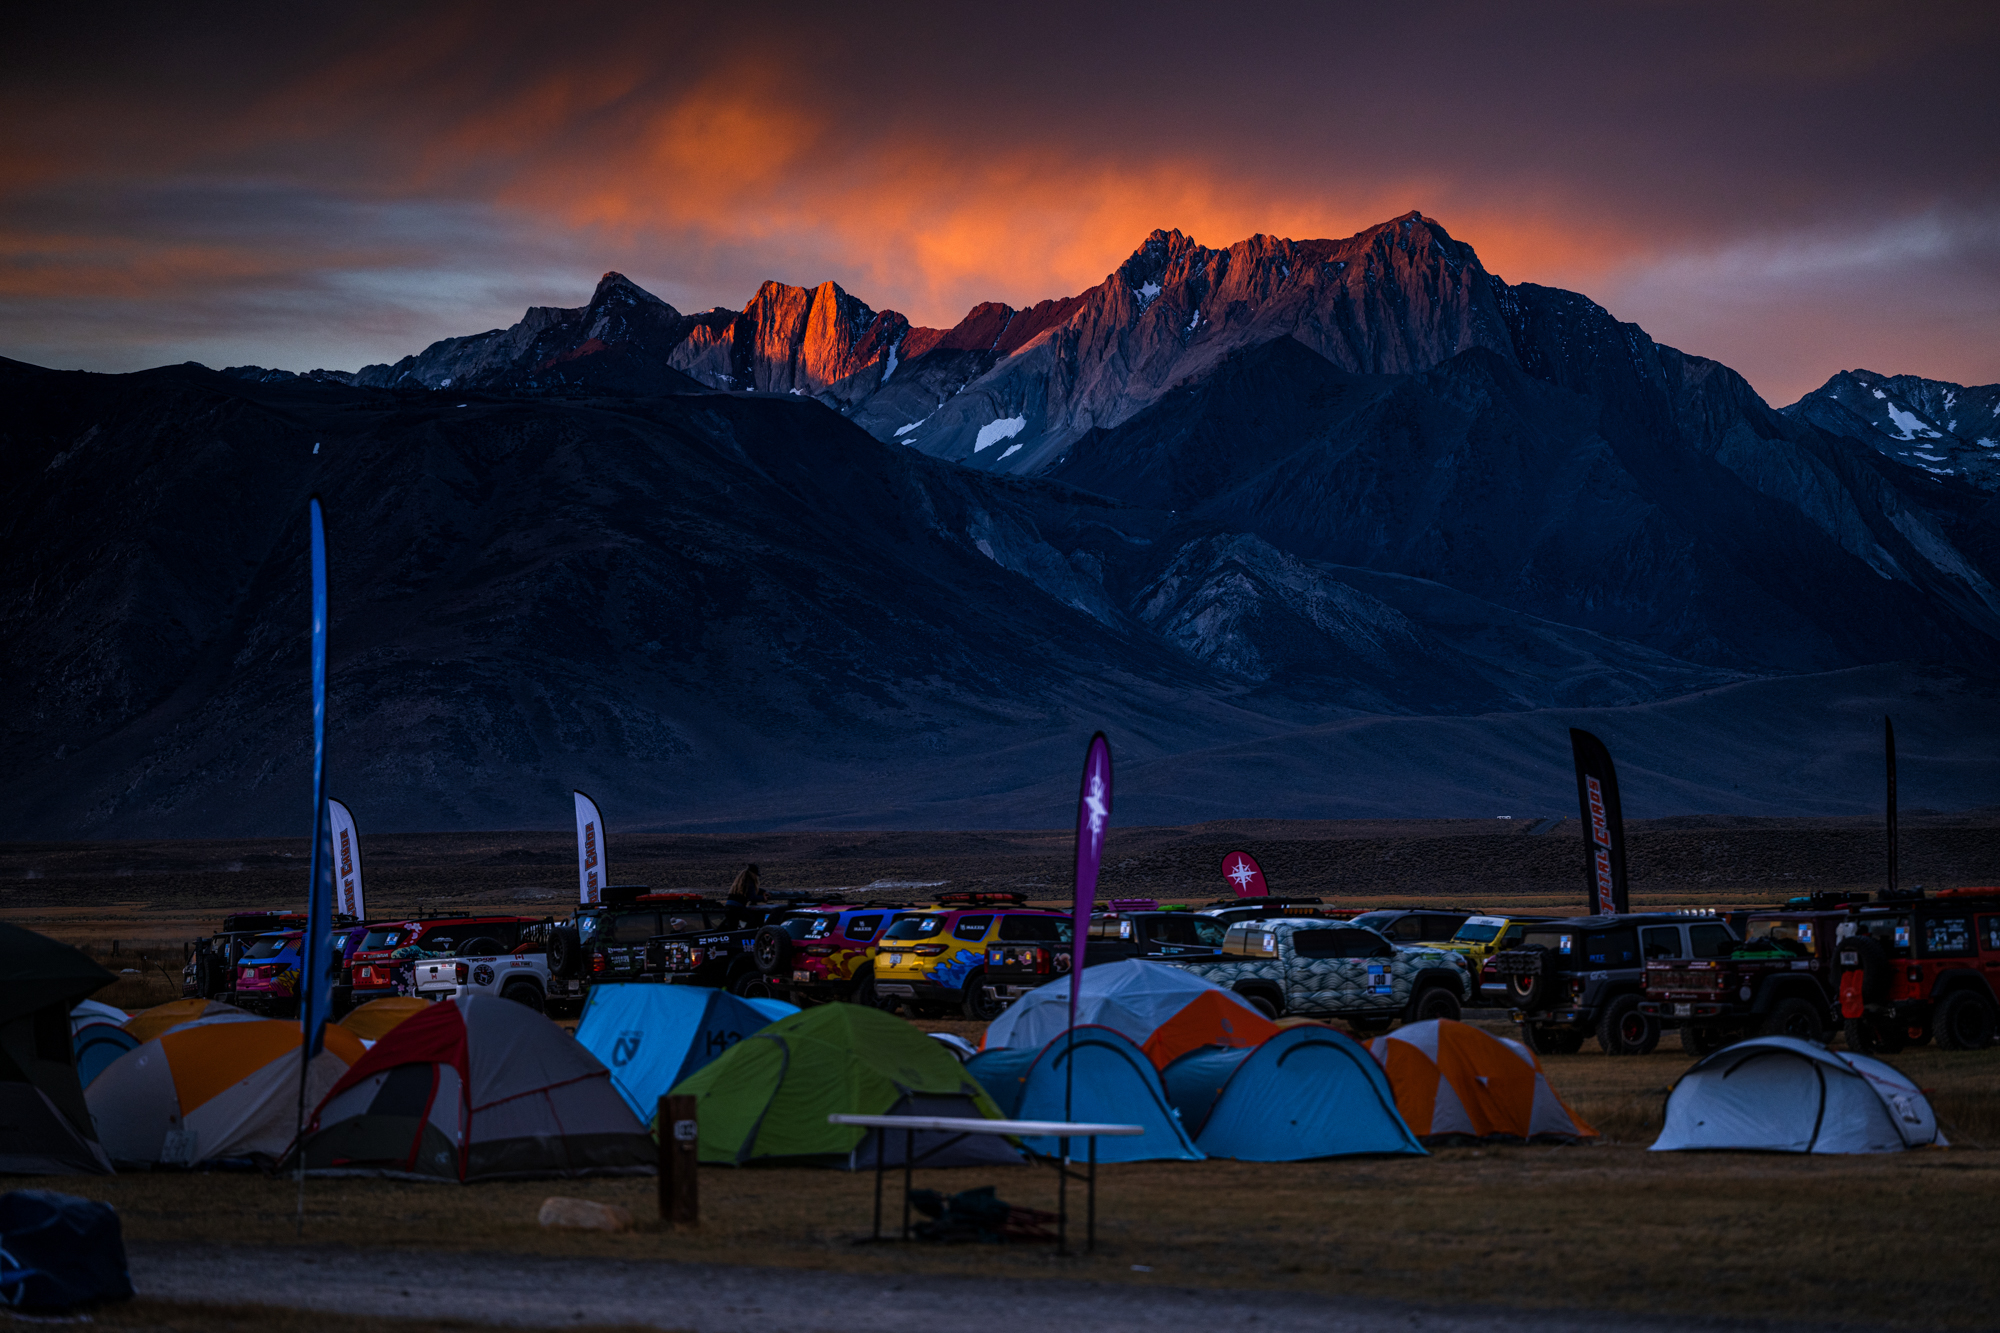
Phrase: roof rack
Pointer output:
(980, 898)
(1988, 891)
(668, 898)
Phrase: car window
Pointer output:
(972, 928)
(863, 928)
(1611, 948)
(1947, 936)
(1374, 920)
(268, 946)
(384, 939)
(1710, 941)
(1341, 943)
(1186, 929)
(1479, 929)
(1989, 931)
(1661, 941)
(1891, 932)
(914, 928)
(1036, 929)
(1513, 935)
(1442, 925)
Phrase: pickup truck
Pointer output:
(1334, 969)
(1783, 980)
(522, 976)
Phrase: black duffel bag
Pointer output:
(58, 1252)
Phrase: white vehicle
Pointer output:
(521, 977)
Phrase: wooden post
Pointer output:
(680, 1154)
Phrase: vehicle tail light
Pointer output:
(928, 950)
(599, 963)
(1916, 974)
(696, 957)
(819, 950)
(461, 970)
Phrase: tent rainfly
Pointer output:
(652, 1037)
(211, 1092)
(1780, 1094)
(1114, 1083)
(1454, 1082)
(1164, 1009)
(98, 1045)
(150, 1023)
(1307, 1092)
(378, 1018)
(768, 1096)
(477, 1088)
(45, 1124)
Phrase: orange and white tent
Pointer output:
(1452, 1080)
(209, 1091)
(1212, 1018)
(378, 1018)
(150, 1023)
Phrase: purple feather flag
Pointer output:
(1093, 816)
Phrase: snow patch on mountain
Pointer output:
(1000, 428)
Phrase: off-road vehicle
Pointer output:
(1782, 980)
(1335, 969)
(1914, 967)
(208, 969)
(934, 961)
(385, 963)
(709, 943)
(826, 955)
(1572, 978)
(1414, 925)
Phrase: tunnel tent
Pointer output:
(652, 1037)
(1139, 999)
(45, 1124)
(1114, 1083)
(768, 1096)
(476, 1088)
(1308, 1092)
(212, 1092)
(1780, 1094)
(1454, 1082)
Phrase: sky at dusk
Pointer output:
(1793, 189)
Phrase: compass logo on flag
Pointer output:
(1244, 876)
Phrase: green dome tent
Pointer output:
(769, 1095)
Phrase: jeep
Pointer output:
(1781, 981)
(1915, 967)
(1572, 978)
(709, 943)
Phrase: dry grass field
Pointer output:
(1907, 1241)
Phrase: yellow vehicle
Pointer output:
(1478, 940)
(937, 959)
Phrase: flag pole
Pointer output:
(1093, 816)
(315, 982)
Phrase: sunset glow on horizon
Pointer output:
(1790, 189)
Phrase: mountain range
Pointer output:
(1356, 518)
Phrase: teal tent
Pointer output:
(1114, 1084)
(651, 1037)
(1307, 1092)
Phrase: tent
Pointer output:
(378, 1018)
(1307, 1092)
(652, 1037)
(1454, 1081)
(150, 1023)
(95, 1011)
(44, 1121)
(1780, 1094)
(1139, 999)
(97, 1045)
(210, 1092)
(476, 1088)
(1114, 1083)
(768, 1096)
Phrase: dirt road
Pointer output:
(705, 1298)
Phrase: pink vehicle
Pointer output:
(267, 976)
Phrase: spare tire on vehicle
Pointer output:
(565, 952)
(1865, 954)
(485, 946)
(772, 948)
(1536, 989)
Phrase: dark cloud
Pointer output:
(1794, 188)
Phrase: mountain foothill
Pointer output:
(1310, 528)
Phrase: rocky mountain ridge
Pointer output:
(1944, 429)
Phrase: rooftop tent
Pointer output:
(210, 1092)
(44, 1121)
(476, 1088)
(1453, 1081)
(378, 1018)
(768, 1096)
(1114, 1084)
(150, 1023)
(1307, 1092)
(652, 1037)
(1780, 1094)
(1136, 998)
(97, 1045)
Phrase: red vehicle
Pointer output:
(384, 964)
(1915, 967)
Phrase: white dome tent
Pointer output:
(1780, 1094)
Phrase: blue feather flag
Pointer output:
(316, 958)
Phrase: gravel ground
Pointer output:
(514, 1290)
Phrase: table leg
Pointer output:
(909, 1150)
(1062, 1196)
(881, 1138)
(1090, 1231)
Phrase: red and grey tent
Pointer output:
(479, 1088)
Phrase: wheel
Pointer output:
(1433, 1002)
(1866, 1036)
(565, 951)
(1551, 1041)
(748, 984)
(977, 1007)
(1260, 1002)
(1625, 1031)
(1793, 1017)
(772, 950)
(1964, 1021)
(525, 992)
(1702, 1039)
(864, 992)
(1536, 990)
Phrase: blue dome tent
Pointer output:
(1115, 1083)
(1307, 1092)
(652, 1037)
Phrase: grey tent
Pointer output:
(45, 1126)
